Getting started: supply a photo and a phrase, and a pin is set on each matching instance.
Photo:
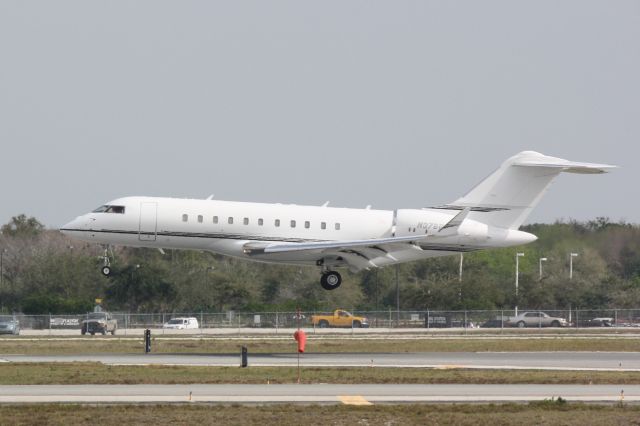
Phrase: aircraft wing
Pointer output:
(358, 254)
(376, 244)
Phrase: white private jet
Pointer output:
(488, 216)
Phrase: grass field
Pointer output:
(543, 413)
(222, 345)
(96, 373)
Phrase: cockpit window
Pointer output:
(110, 209)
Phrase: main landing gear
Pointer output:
(330, 280)
(106, 267)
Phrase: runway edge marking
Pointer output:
(353, 400)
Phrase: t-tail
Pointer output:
(506, 197)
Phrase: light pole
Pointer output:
(571, 256)
(2, 252)
(518, 256)
(397, 295)
(542, 259)
(460, 271)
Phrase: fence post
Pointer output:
(49, 323)
(615, 317)
(428, 319)
(465, 321)
(501, 321)
(276, 322)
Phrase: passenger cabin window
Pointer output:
(307, 224)
(323, 225)
(337, 226)
(185, 217)
(293, 223)
(277, 222)
(110, 209)
(215, 219)
(230, 220)
(260, 222)
(200, 218)
(245, 221)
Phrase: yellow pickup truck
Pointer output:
(340, 318)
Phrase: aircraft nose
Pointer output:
(75, 225)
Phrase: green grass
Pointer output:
(379, 345)
(549, 413)
(96, 373)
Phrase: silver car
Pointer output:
(537, 319)
(9, 325)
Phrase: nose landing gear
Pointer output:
(330, 280)
(106, 267)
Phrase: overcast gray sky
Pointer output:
(395, 103)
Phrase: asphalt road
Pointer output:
(605, 361)
(346, 394)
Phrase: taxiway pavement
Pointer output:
(302, 393)
(596, 361)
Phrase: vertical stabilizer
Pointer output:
(507, 196)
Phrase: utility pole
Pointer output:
(518, 256)
(2, 252)
(542, 259)
(397, 295)
(571, 256)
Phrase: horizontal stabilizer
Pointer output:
(566, 166)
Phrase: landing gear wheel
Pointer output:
(106, 265)
(330, 280)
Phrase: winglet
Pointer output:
(453, 225)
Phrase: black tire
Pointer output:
(323, 324)
(521, 324)
(555, 324)
(330, 280)
(357, 324)
(93, 333)
(104, 331)
(106, 271)
(83, 332)
(113, 332)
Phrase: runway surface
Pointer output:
(597, 361)
(345, 394)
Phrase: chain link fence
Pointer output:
(426, 319)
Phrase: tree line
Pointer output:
(43, 271)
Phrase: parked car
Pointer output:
(536, 319)
(99, 322)
(497, 322)
(9, 325)
(181, 323)
(597, 322)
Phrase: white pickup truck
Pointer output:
(536, 319)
